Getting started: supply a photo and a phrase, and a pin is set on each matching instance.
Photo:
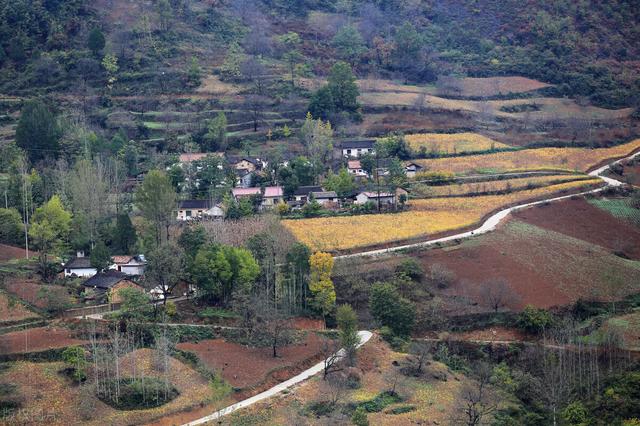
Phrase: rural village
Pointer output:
(319, 212)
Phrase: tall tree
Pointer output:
(348, 327)
(38, 131)
(317, 138)
(342, 183)
(156, 199)
(391, 309)
(124, 237)
(344, 90)
(49, 231)
(216, 136)
(320, 284)
(96, 42)
(100, 257)
(165, 265)
(349, 44)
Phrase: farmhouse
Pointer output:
(355, 168)
(108, 284)
(325, 197)
(302, 193)
(199, 209)
(383, 197)
(79, 266)
(130, 265)
(271, 196)
(244, 179)
(411, 169)
(354, 149)
(244, 163)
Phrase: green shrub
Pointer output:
(402, 409)
(380, 402)
(534, 320)
(320, 408)
(359, 417)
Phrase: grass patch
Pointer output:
(619, 207)
(136, 394)
(380, 402)
(217, 313)
(402, 409)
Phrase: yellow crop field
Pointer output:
(573, 159)
(501, 185)
(452, 143)
(426, 217)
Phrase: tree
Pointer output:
(10, 226)
(317, 138)
(49, 231)
(348, 326)
(497, 294)
(342, 84)
(534, 320)
(320, 284)
(390, 309)
(156, 199)
(165, 265)
(75, 358)
(322, 104)
(38, 132)
(100, 257)
(349, 44)
(272, 323)
(124, 236)
(192, 239)
(411, 269)
(216, 136)
(342, 183)
(475, 405)
(96, 41)
(135, 304)
(194, 74)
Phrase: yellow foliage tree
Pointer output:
(320, 284)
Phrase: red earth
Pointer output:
(11, 252)
(38, 340)
(245, 367)
(579, 219)
(36, 294)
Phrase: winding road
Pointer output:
(492, 222)
(364, 338)
(487, 226)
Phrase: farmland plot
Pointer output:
(452, 143)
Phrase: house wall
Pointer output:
(355, 152)
(80, 272)
(114, 296)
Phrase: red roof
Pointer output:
(354, 164)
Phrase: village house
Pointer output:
(79, 266)
(245, 163)
(302, 193)
(354, 167)
(354, 149)
(199, 209)
(325, 198)
(107, 285)
(411, 169)
(244, 179)
(384, 198)
(130, 265)
(271, 196)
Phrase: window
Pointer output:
(188, 213)
(348, 151)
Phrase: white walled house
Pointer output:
(79, 266)
(355, 149)
(199, 209)
(325, 198)
(302, 193)
(272, 194)
(130, 265)
(384, 197)
(355, 168)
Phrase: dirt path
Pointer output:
(364, 338)
(492, 222)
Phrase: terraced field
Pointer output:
(425, 217)
(452, 143)
(571, 159)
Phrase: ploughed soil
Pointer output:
(632, 173)
(248, 367)
(11, 311)
(38, 340)
(11, 252)
(493, 334)
(579, 219)
(36, 294)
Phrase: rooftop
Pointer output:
(370, 194)
(365, 143)
(105, 280)
(195, 204)
(78, 263)
(354, 164)
(305, 190)
(324, 194)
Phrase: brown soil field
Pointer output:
(34, 293)
(498, 334)
(579, 219)
(542, 267)
(12, 311)
(493, 86)
(244, 367)
(11, 252)
(38, 340)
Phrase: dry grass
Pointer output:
(501, 185)
(45, 392)
(452, 143)
(11, 310)
(426, 217)
(493, 86)
(212, 85)
(572, 159)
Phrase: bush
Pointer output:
(380, 402)
(534, 320)
(402, 409)
(10, 227)
(136, 394)
(410, 268)
(359, 417)
(320, 408)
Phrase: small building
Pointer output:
(271, 196)
(108, 285)
(354, 149)
(411, 169)
(373, 196)
(302, 193)
(355, 168)
(79, 266)
(244, 179)
(244, 163)
(199, 209)
(130, 265)
(325, 198)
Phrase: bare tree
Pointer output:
(475, 405)
(496, 294)
(274, 324)
(332, 358)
